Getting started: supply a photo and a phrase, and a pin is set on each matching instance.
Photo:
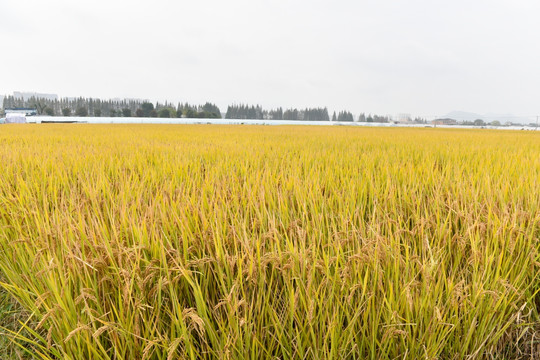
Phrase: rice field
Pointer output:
(228, 242)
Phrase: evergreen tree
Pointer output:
(81, 112)
(147, 108)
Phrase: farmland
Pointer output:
(211, 242)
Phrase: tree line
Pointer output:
(112, 108)
(83, 107)
(256, 112)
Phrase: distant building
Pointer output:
(28, 95)
(15, 118)
(21, 111)
(403, 119)
(444, 122)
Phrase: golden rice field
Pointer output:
(229, 242)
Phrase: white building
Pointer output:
(15, 118)
(18, 115)
(21, 111)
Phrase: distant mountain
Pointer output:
(463, 116)
(502, 118)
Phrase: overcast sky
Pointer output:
(423, 57)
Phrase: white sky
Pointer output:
(423, 57)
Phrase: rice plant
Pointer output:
(218, 242)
